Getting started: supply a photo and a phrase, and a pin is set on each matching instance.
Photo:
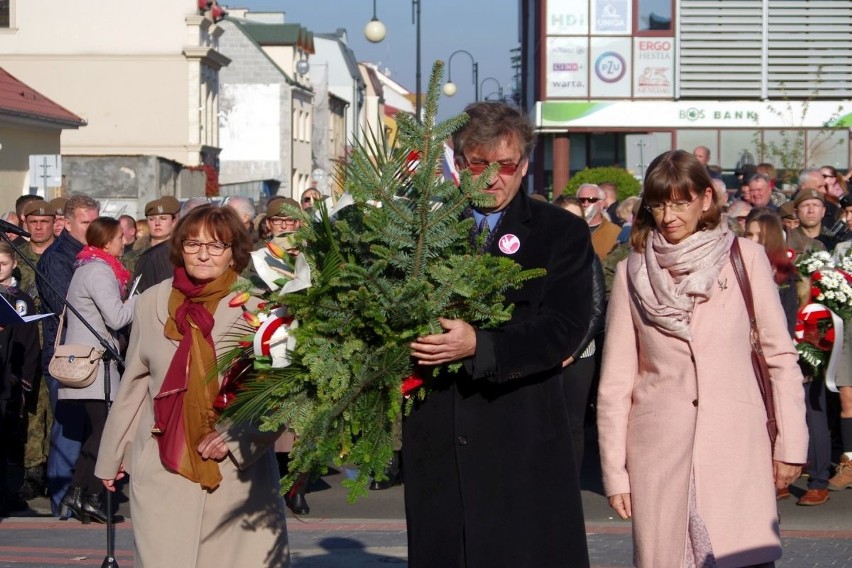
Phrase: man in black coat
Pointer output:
(490, 478)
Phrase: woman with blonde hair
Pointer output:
(679, 401)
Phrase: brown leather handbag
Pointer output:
(758, 359)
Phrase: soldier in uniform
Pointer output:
(38, 217)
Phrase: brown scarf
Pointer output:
(183, 409)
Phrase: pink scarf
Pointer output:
(92, 254)
(667, 281)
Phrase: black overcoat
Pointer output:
(490, 479)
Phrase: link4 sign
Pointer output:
(567, 67)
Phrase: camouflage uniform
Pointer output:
(39, 417)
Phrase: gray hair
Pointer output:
(813, 175)
(601, 193)
(80, 201)
(192, 203)
(241, 204)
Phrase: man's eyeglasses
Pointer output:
(476, 167)
(214, 248)
(588, 199)
(659, 208)
(281, 221)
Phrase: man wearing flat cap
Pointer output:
(154, 265)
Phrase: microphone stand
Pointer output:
(110, 354)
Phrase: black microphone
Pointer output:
(7, 227)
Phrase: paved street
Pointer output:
(371, 533)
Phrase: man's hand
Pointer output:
(457, 342)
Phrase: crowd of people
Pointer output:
(640, 316)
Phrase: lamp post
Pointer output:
(499, 88)
(375, 32)
(449, 87)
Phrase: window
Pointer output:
(5, 13)
(654, 17)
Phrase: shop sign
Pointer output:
(611, 61)
(567, 17)
(611, 17)
(654, 67)
(567, 71)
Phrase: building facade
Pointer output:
(267, 107)
(144, 89)
(617, 82)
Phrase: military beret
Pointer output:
(806, 194)
(58, 205)
(166, 205)
(273, 208)
(787, 210)
(39, 207)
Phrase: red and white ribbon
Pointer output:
(807, 330)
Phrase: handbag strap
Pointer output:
(763, 382)
(57, 341)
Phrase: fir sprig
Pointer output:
(382, 272)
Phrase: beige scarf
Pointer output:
(668, 280)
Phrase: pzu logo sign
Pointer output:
(692, 114)
(610, 67)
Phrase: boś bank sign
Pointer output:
(656, 115)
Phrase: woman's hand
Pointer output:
(567, 362)
(786, 473)
(213, 447)
(621, 504)
(109, 484)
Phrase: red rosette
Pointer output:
(411, 383)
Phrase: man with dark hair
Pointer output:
(57, 266)
(491, 443)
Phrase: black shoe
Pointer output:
(93, 506)
(33, 485)
(295, 498)
(393, 474)
(72, 504)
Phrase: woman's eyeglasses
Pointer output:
(659, 208)
(281, 221)
(214, 248)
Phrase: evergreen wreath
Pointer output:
(382, 271)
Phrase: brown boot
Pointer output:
(843, 478)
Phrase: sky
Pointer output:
(487, 29)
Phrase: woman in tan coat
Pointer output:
(684, 445)
(202, 492)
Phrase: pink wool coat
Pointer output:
(668, 408)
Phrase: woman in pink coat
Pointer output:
(684, 446)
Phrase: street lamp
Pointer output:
(450, 88)
(499, 87)
(375, 32)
